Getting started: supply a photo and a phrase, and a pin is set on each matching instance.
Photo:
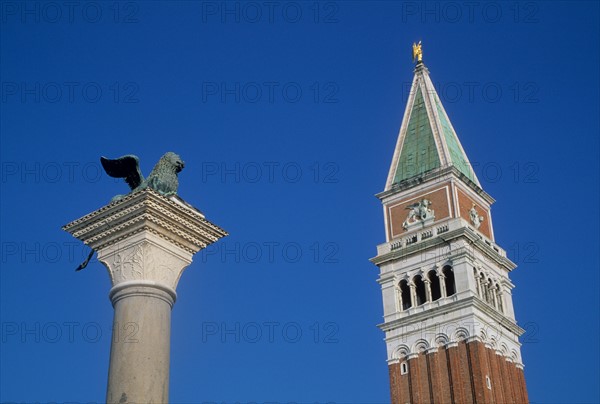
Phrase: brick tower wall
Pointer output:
(458, 374)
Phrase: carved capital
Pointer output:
(145, 238)
(144, 260)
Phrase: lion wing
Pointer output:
(127, 167)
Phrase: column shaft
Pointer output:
(413, 295)
(428, 297)
(443, 285)
(139, 354)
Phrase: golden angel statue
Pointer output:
(417, 52)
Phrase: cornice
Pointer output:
(431, 176)
(472, 236)
(470, 302)
(170, 218)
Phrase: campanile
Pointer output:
(449, 322)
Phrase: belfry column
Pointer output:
(145, 240)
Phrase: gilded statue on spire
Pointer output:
(417, 52)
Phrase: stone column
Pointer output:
(493, 292)
(442, 278)
(398, 297)
(482, 286)
(500, 301)
(427, 282)
(145, 240)
(413, 294)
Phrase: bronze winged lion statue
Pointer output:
(162, 179)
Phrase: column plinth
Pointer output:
(145, 240)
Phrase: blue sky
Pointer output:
(286, 114)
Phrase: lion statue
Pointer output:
(162, 179)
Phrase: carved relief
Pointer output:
(476, 219)
(145, 261)
(419, 213)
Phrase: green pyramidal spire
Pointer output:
(427, 140)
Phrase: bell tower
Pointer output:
(449, 323)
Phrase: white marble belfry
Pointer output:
(145, 240)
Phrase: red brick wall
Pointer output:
(398, 212)
(497, 392)
(439, 381)
(480, 368)
(466, 373)
(464, 206)
(523, 385)
(458, 375)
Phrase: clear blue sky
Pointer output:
(286, 114)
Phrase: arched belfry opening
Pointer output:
(405, 295)
(449, 280)
(436, 291)
(420, 290)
